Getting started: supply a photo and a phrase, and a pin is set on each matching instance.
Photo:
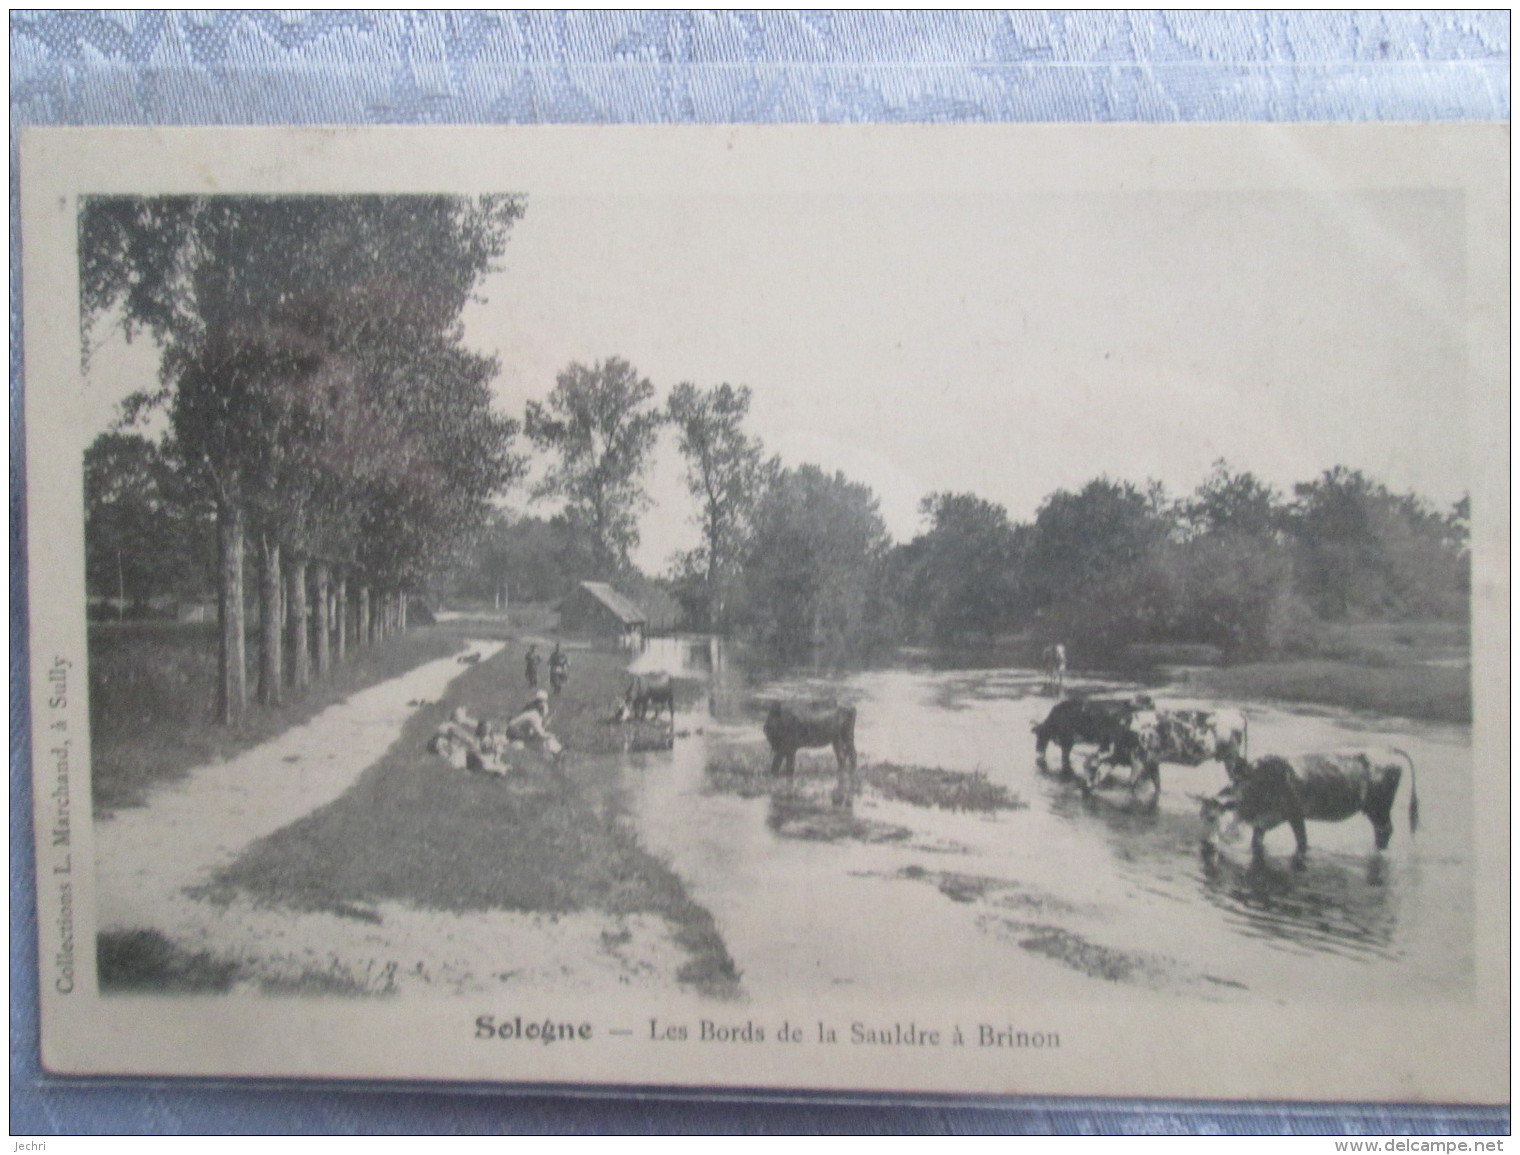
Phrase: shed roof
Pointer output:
(627, 613)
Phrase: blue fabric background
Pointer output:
(72, 68)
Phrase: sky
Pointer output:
(1004, 343)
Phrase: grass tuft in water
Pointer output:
(746, 774)
(945, 789)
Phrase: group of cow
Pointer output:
(1263, 794)
(1136, 734)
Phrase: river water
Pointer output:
(1079, 896)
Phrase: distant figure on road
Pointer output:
(1055, 668)
(559, 669)
(530, 667)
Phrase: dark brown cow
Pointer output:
(648, 691)
(1102, 722)
(1328, 787)
(789, 728)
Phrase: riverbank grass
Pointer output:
(1430, 693)
(1405, 669)
(549, 838)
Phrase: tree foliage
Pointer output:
(1232, 503)
(1232, 564)
(145, 535)
(536, 559)
(1080, 540)
(601, 428)
(315, 378)
(728, 473)
(811, 578)
(960, 577)
(1363, 551)
(312, 358)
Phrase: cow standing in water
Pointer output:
(1328, 787)
(1101, 722)
(1185, 737)
(789, 728)
(648, 692)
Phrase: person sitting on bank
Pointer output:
(532, 724)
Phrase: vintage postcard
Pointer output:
(939, 609)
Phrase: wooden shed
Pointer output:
(595, 608)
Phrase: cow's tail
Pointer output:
(1414, 793)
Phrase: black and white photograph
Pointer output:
(940, 609)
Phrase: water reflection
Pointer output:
(685, 655)
(1337, 906)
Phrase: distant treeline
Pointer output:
(1235, 564)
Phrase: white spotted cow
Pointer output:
(1184, 736)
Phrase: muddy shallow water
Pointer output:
(1078, 896)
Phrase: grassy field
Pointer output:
(1408, 669)
(153, 701)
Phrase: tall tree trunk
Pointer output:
(300, 633)
(714, 595)
(232, 686)
(364, 620)
(271, 622)
(401, 610)
(324, 619)
(341, 642)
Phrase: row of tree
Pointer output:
(321, 405)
